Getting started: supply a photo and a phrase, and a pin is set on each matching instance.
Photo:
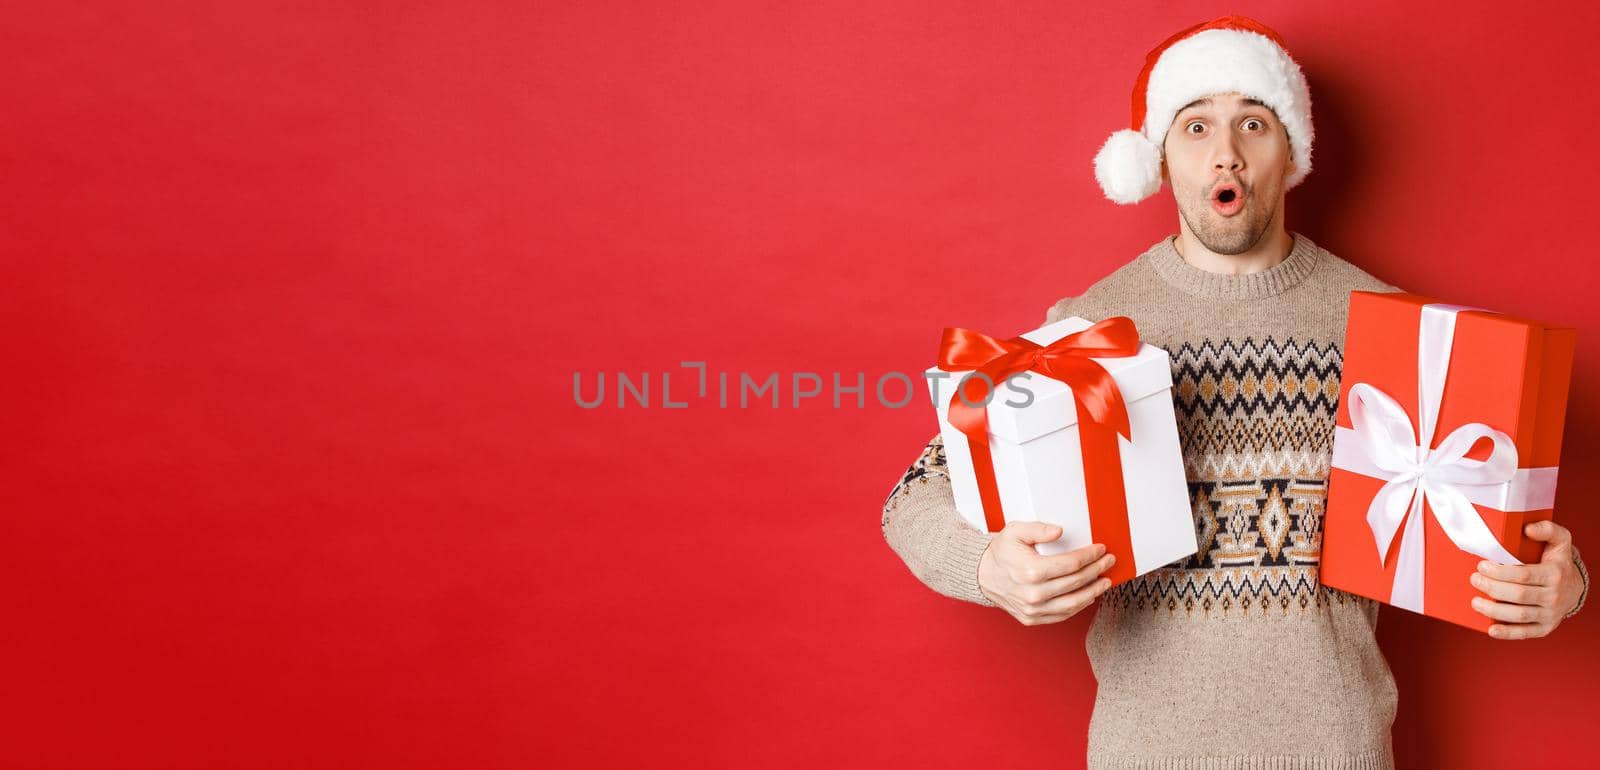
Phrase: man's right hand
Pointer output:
(1039, 589)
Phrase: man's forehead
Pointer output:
(1206, 101)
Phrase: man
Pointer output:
(1236, 656)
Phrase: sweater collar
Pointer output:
(1167, 263)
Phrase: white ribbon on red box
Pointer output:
(1384, 444)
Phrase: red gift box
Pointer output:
(1487, 392)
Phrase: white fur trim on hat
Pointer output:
(1207, 63)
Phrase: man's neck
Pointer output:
(1271, 250)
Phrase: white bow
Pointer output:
(1384, 433)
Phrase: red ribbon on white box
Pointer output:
(1384, 444)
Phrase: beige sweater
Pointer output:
(1236, 657)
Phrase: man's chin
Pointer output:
(1225, 235)
(1225, 239)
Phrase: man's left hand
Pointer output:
(1530, 600)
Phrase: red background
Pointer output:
(294, 295)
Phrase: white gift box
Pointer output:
(1037, 460)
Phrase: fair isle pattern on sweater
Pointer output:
(1256, 419)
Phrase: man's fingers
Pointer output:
(1527, 574)
(1039, 620)
(1510, 613)
(1549, 532)
(1034, 531)
(1074, 601)
(1515, 593)
(1057, 565)
(1518, 630)
(1074, 580)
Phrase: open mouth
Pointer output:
(1227, 199)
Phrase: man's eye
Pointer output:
(1196, 125)
(1256, 122)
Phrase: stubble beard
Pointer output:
(1228, 235)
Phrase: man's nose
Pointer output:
(1228, 157)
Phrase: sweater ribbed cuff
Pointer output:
(942, 549)
(960, 562)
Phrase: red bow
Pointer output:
(1102, 414)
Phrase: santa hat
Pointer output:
(1231, 53)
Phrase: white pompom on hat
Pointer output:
(1227, 54)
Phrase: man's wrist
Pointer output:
(1583, 575)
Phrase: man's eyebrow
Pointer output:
(1207, 101)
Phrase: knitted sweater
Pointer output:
(1237, 656)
